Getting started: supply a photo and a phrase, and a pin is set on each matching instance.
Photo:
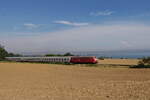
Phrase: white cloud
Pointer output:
(146, 14)
(102, 37)
(126, 44)
(70, 23)
(102, 13)
(30, 25)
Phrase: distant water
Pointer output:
(116, 54)
(113, 54)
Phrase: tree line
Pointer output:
(66, 54)
(143, 63)
(4, 53)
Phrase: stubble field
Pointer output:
(26, 81)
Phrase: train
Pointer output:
(72, 59)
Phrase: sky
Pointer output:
(74, 25)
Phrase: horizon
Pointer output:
(67, 25)
(129, 54)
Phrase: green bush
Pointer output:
(144, 63)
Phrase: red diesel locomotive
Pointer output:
(83, 60)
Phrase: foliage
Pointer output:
(144, 63)
(47, 55)
(103, 57)
(14, 55)
(3, 53)
(66, 54)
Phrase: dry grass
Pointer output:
(22, 81)
(119, 61)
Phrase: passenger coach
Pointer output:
(39, 59)
(73, 59)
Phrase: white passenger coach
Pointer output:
(40, 59)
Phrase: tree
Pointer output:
(3, 53)
(14, 55)
(68, 54)
(51, 55)
(144, 63)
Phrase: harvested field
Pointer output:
(23, 81)
(119, 61)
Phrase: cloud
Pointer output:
(146, 14)
(102, 13)
(126, 44)
(92, 37)
(30, 25)
(70, 23)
